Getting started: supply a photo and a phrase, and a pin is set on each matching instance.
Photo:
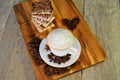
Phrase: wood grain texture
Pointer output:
(92, 52)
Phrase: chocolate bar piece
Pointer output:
(42, 7)
(42, 15)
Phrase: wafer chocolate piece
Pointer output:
(42, 15)
(40, 20)
(42, 28)
(42, 7)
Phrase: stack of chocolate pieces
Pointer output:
(42, 15)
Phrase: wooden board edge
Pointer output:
(79, 14)
(67, 74)
(36, 69)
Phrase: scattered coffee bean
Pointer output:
(34, 48)
(47, 48)
(57, 59)
(49, 71)
(32, 35)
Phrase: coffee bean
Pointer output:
(57, 59)
(49, 71)
(47, 48)
(71, 24)
(34, 49)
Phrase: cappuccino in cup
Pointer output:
(61, 42)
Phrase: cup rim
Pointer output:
(65, 47)
(61, 52)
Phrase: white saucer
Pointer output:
(73, 57)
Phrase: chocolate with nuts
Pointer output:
(42, 6)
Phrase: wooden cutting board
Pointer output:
(92, 52)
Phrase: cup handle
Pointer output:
(72, 50)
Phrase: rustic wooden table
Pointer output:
(103, 17)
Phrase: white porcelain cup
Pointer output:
(61, 42)
(70, 50)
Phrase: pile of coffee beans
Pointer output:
(49, 71)
(71, 24)
(57, 59)
(34, 49)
